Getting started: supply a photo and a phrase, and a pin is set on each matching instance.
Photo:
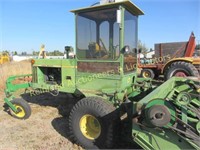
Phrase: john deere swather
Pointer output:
(103, 73)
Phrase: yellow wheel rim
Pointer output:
(21, 112)
(146, 75)
(90, 127)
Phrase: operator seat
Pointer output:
(96, 51)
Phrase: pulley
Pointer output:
(183, 98)
(159, 113)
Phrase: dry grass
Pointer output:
(46, 129)
(13, 68)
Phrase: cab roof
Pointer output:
(127, 4)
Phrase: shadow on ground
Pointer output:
(64, 103)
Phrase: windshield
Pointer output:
(98, 35)
(130, 40)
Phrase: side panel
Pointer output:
(155, 139)
(63, 70)
(68, 75)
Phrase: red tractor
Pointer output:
(171, 59)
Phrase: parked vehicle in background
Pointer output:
(4, 57)
(172, 59)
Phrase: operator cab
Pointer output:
(106, 56)
(107, 35)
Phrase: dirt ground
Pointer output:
(47, 127)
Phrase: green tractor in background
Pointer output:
(103, 77)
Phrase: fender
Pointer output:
(184, 59)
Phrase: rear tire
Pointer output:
(147, 73)
(91, 123)
(182, 69)
(24, 109)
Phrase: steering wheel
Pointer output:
(103, 45)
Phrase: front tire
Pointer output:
(92, 124)
(24, 109)
(147, 73)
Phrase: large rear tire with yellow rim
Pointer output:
(23, 109)
(92, 123)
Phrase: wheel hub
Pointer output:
(20, 111)
(90, 127)
(146, 75)
(180, 74)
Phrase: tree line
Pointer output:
(54, 53)
(34, 53)
(141, 46)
